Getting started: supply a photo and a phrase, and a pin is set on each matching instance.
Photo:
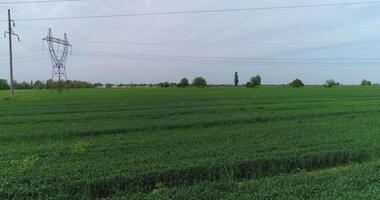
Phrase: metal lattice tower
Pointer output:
(58, 61)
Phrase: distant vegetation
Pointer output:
(4, 84)
(331, 83)
(49, 84)
(199, 82)
(164, 84)
(366, 83)
(236, 79)
(183, 83)
(297, 83)
(255, 81)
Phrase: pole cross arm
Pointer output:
(57, 40)
(6, 32)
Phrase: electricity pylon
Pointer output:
(58, 61)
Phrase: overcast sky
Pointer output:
(280, 44)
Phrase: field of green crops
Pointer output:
(212, 143)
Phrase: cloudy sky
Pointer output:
(313, 44)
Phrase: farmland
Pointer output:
(210, 143)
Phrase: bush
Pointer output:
(297, 83)
(248, 84)
(331, 83)
(184, 83)
(109, 85)
(255, 82)
(199, 82)
(366, 83)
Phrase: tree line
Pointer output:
(254, 82)
(49, 84)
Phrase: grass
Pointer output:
(213, 143)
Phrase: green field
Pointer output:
(212, 143)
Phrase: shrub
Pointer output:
(109, 85)
(366, 83)
(297, 83)
(183, 83)
(248, 84)
(199, 82)
(331, 83)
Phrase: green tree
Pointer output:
(331, 83)
(164, 84)
(236, 79)
(109, 85)
(255, 81)
(183, 83)
(4, 84)
(96, 85)
(38, 85)
(199, 82)
(22, 86)
(366, 83)
(50, 84)
(296, 83)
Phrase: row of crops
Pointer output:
(140, 143)
(353, 182)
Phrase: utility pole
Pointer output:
(10, 33)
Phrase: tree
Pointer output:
(255, 81)
(109, 85)
(199, 82)
(22, 86)
(331, 83)
(50, 84)
(296, 83)
(164, 84)
(236, 79)
(97, 85)
(38, 85)
(4, 84)
(366, 83)
(183, 83)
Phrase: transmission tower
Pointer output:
(58, 60)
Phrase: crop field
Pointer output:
(211, 143)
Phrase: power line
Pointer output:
(200, 11)
(42, 1)
(254, 63)
(224, 58)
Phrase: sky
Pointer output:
(312, 44)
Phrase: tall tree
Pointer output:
(255, 81)
(236, 79)
(199, 82)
